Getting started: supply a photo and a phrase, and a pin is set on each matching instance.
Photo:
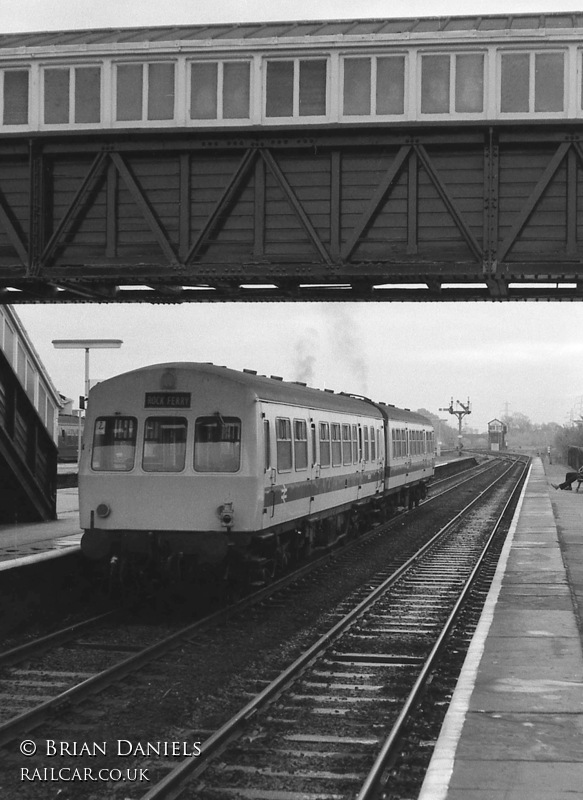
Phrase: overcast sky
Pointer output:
(518, 357)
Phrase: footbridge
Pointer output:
(414, 159)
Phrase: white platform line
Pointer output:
(436, 783)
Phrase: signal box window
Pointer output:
(324, 444)
(15, 97)
(284, 444)
(164, 444)
(300, 444)
(114, 444)
(217, 444)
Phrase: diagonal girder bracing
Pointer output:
(351, 214)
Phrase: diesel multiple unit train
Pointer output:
(193, 469)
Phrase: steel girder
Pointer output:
(427, 214)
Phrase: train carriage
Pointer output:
(203, 466)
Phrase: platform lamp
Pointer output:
(87, 345)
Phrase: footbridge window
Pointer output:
(374, 86)
(220, 90)
(452, 83)
(72, 95)
(145, 91)
(532, 82)
(296, 88)
(14, 96)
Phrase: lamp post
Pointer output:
(87, 345)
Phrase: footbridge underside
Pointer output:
(428, 213)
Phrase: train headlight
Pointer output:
(103, 510)
(226, 515)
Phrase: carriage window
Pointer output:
(366, 454)
(532, 82)
(346, 445)
(217, 444)
(284, 444)
(114, 444)
(399, 439)
(355, 444)
(373, 452)
(164, 444)
(296, 88)
(300, 444)
(336, 445)
(72, 95)
(324, 444)
(15, 97)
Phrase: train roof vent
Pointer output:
(299, 383)
(250, 371)
(406, 409)
(276, 378)
(330, 391)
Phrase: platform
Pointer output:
(20, 544)
(514, 730)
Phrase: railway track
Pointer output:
(24, 685)
(322, 729)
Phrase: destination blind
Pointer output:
(167, 400)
